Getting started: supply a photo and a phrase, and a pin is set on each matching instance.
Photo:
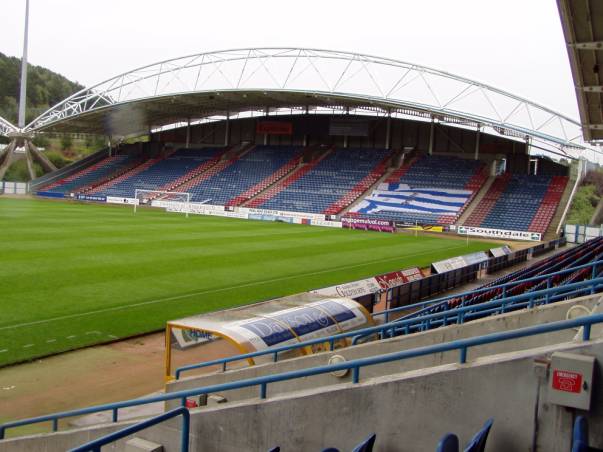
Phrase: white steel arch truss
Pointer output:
(6, 127)
(390, 84)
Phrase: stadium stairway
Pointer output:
(520, 203)
(386, 175)
(477, 199)
(565, 199)
(428, 190)
(85, 171)
(280, 174)
(482, 210)
(281, 184)
(361, 188)
(177, 184)
(126, 174)
(550, 204)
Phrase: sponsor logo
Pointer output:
(368, 224)
(92, 198)
(499, 233)
(398, 278)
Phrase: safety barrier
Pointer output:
(458, 315)
(594, 266)
(95, 446)
(462, 346)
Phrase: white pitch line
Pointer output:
(50, 340)
(71, 337)
(221, 289)
(4, 350)
(92, 332)
(28, 345)
(112, 337)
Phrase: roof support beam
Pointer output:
(593, 45)
(591, 89)
(594, 126)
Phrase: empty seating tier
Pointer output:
(519, 203)
(243, 173)
(154, 174)
(88, 176)
(328, 182)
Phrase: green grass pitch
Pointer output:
(73, 275)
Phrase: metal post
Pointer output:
(23, 93)
(477, 135)
(188, 133)
(227, 131)
(431, 131)
(388, 131)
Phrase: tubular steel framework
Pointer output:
(297, 75)
(6, 127)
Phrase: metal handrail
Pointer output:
(477, 291)
(95, 445)
(461, 345)
(591, 285)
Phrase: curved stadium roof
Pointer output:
(221, 83)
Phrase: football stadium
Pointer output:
(299, 249)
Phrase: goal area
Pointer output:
(161, 198)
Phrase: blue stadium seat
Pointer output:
(450, 442)
(580, 436)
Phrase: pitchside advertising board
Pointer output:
(499, 233)
(368, 224)
(372, 285)
(454, 263)
(118, 200)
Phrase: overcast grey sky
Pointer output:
(516, 45)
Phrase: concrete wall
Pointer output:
(410, 411)
(504, 322)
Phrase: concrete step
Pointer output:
(478, 198)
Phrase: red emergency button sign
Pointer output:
(567, 381)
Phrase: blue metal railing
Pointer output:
(456, 315)
(595, 266)
(95, 446)
(462, 345)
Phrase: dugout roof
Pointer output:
(279, 322)
(582, 23)
(217, 85)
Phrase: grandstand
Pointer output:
(496, 363)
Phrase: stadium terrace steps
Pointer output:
(334, 176)
(106, 168)
(122, 176)
(286, 181)
(550, 203)
(430, 189)
(476, 200)
(250, 168)
(397, 174)
(360, 188)
(520, 203)
(482, 210)
(565, 199)
(179, 183)
(83, 172)
(384, 177)
(281, 173)
(475, 184)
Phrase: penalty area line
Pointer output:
(218, 290)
